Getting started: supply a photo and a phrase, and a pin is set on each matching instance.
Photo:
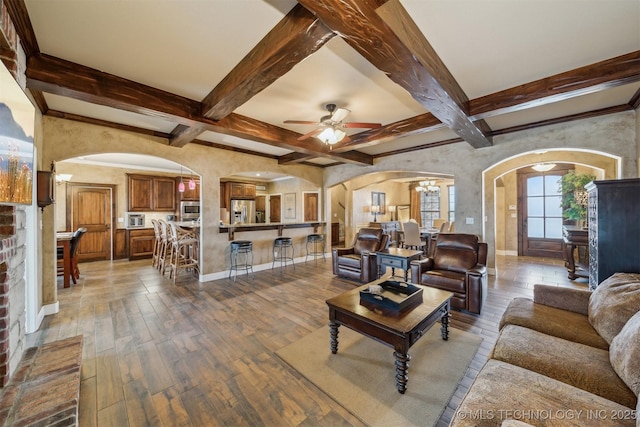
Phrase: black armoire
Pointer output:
(614, 228)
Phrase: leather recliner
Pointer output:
(457, 264)
(359, 262)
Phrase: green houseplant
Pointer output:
(574, 200)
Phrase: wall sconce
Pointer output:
(44, 187)
(375, 210)
(392, 210)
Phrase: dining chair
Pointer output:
(444, 227)
(412, 237)
(157, 243)
(452, 227)
(73, 252)
(437, 222)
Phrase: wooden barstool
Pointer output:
(183, 243)
(157, 243)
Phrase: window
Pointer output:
(544, 211)
(429, 208)
(452, 203)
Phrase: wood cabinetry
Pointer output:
(141, 243)
(190, 195)
(392, 228)
(614, 229)
(120, 244)
(147, 193)
(241, 190)
(236, 190)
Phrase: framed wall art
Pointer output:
(17, 116)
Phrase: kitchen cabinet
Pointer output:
(241, 190)
(120, 244)
(190, 195)
(148, 193)
(224, 197)
(614, 230)
(141, 243)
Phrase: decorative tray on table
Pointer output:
(391, 294)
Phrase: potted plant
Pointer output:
(574, 196)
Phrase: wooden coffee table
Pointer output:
(398, 330)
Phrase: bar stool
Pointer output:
(315, 240)
(244, 249)
(281, 248)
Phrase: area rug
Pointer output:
(361, 376)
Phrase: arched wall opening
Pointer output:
(496, 196)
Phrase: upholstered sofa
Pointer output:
(567, 357)
(359, 261)
(457, 264)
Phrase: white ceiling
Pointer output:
(188, 47)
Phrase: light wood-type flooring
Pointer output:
(203, 354)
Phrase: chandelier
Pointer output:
(428, 186)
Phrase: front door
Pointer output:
(274, 208)
(540, 213)
(91, 209)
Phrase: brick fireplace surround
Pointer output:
(39, 385)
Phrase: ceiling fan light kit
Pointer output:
(328, 130)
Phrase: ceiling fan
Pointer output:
(330, 127)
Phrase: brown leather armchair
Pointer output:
(359, 261)
(457, 264)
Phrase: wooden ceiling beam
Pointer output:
(60, 77)
(297, 35)
(388, 38)
(591, 78)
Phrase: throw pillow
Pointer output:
(613, 303)
(624, 354)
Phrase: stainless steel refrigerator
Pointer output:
(243, 211)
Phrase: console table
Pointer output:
(576, 242)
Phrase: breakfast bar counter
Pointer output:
(230, 229)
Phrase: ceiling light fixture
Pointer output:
(330, 135)
(181, 184)
(428, 186)
(543, 167)
(192, 183)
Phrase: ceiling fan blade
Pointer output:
(310, 134)
(362, 125)
(339, 114)
(301, 122)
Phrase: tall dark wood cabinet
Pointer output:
(614, 228)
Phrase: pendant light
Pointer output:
(181, 184)
(192, 183)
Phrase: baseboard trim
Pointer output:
(507, 253)
(266, 266)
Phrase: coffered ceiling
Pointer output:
(227, 73)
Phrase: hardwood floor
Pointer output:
(196, 354)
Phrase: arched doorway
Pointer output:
(500, 201)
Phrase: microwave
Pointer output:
(189, 211)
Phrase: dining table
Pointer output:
(63, 240)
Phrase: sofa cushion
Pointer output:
(552, 321)
(579, 365)
(503, 391)
(350, 260)
(613, 302)
(625, 353)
